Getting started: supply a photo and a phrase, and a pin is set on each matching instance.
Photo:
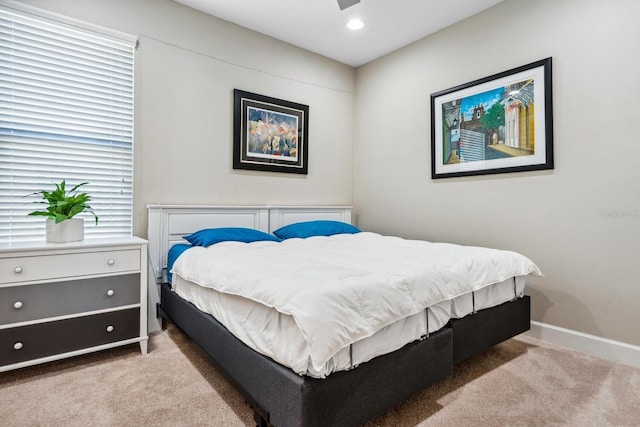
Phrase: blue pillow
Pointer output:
(210, 236)
(314, 228)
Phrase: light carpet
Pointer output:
(521, 382)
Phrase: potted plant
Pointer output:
(62, 207)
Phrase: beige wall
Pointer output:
(579, 222)
(187, 66)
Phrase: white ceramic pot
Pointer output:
(69, 230)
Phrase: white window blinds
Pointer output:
(66, 112)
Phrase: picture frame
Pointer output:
(498, 124)
(270, 134)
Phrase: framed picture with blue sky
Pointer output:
(497, 124)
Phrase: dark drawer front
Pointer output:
(61, 336)
(33, 302)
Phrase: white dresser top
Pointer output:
(86, 243)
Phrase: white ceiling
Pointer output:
(320, 26)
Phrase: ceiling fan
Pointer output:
(343, 4)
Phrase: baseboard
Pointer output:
(616, 351)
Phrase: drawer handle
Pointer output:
(110, 292)
(111, 262)
(17, 305)
(17, 346)
(17, 270)
(109, 328)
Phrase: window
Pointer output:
(66, 112)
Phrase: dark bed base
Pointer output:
(280, 397)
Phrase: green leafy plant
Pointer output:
(63, 204)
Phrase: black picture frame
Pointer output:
(269, 134)
(498, 124)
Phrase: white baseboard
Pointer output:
(616, 351)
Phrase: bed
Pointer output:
(355, 383)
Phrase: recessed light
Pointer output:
(355, 24)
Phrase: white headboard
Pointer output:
(168, 223)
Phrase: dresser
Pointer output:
(59, 300)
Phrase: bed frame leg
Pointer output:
(162, 315)
(260, 421)
(260, 415)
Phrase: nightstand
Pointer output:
(59, 300)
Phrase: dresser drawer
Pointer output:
(62, 336)
(31, 302)
(57, 266)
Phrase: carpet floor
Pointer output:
(521, 382)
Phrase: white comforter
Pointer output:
(343, 288)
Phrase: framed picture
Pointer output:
(269, 134)
(498, 124)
